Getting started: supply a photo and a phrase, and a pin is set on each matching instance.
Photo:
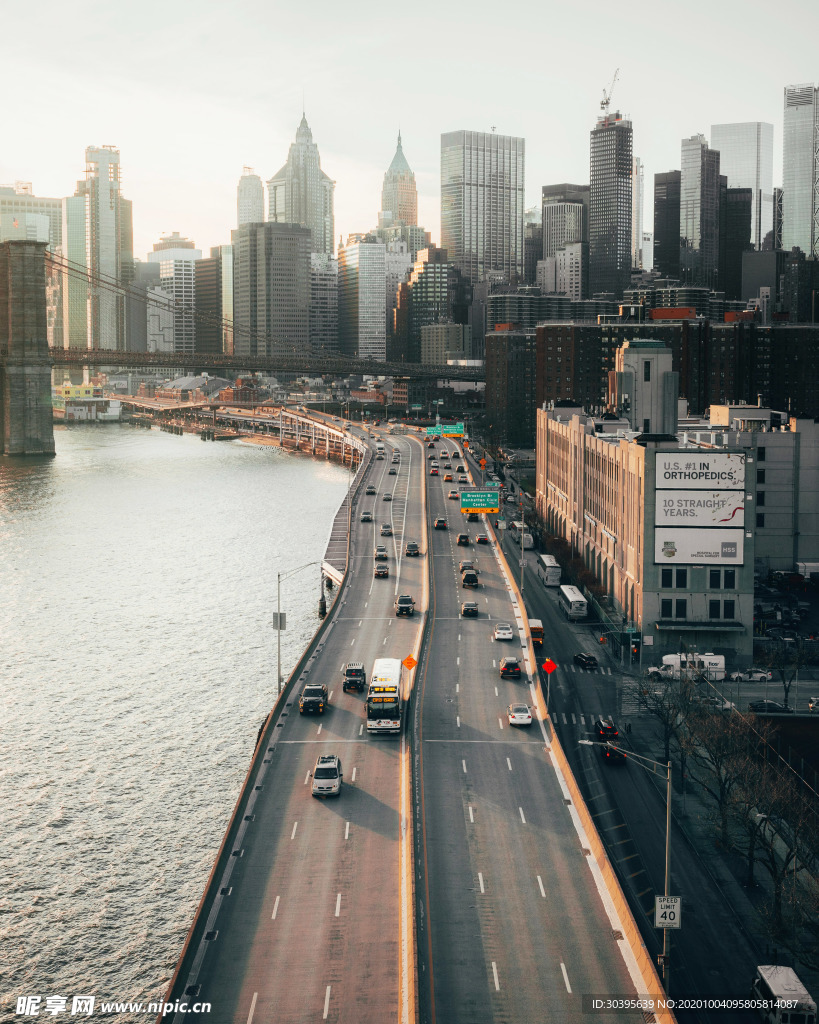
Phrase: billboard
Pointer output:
(702, 547)
(705, 471)
(700, 508)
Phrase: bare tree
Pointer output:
(669, 701)
(784, 659)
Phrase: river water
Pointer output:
(137, 661)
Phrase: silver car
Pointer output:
(327, 776)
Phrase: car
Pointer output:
(405, 605)
(431, 454)
(380, 552)
(503, 631)
(467, 563)
(462, 479)
(469, 609)
(386, 530)
(453, 495)
(412, 550)
(464, 540)
(327, 775)
(705, 702)
(447, 465)
(510, 499)
(435, 464)
(509, 667)
(353, 677)
(440, 523)
(434, 471)
(813, 704)
(392, 472)
(519, 714)
(313, 699)
(481, 539)
(460, 469)
(370, 489)
(612, 755)
(366, 517)
(777, 633)
(751, 675)
(585, 660)
(387, 497)
(470, 579)
(379, 456)
(605, 729)
(472, 517)
(381, 571)
(444, 455)
(769, 707)
(447, 478)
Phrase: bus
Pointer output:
(774, 985)
(520, 535)
(384, 704)
(549, 570)
(536, 631)
(572, 603)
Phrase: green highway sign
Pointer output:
(479, 501)
(433, 431)
(452, 429)
(490, 485)
(416, 407)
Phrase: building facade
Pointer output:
(637, 199)
(746, 159)
(176, 257)
(699, 213)
(249, 198)
(362, 289)
(399, 195)
(800, 170)
(667, 224)
(323, 304)
(301, 193)
(213, 289)
(443, 341)
(610, 205)
(483, 204)
(510, 385)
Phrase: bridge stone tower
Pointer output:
(26, 426)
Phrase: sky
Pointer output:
(192, 92)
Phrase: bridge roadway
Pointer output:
(310, 930)
(512, 925)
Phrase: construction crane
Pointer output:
(606, 101)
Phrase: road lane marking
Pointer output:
(459, 638)
(252, 1008)
(338, 904)
(360, 729)
(521, 815)
(509, 763)
(360, 621)
(331, 696)
(318, 733)
(458, 720)
(494, 663)
(495, 975)
(542, 890)
(307, 778)
(457, 687)
(471, 817)
(464, 764)
(353, 778)
(574, 720)
(458, 660)
(385, 640)
(347, 830)
(480, 881)
(500, 723)
(275, 908)
(566, 978)
(496, 691)
(293, 833)
(352, 642)
(326, 1003)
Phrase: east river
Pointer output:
(137, 662)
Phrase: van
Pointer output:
(470, 579)
(774, 985)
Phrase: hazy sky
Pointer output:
(191, 92)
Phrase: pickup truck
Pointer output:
(404, 605)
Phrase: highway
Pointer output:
(512, 923)
(310, 927)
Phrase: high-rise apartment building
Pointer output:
(301, 193)
(213, 287)
(249, 198)
(399, 196)
(362, 289)
(97, 240)
(271, 289)
(800, 206)
(667, 224)
(482, 204)
(699, 213)
(637, 199)
(746, 159)
(610, 205)
(323, 304)
(176, 257)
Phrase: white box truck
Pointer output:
(674, 665)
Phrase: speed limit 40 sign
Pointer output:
(667, 911)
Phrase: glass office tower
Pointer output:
(746, 159)
(800, 203)
(699, 213)
(610, 206)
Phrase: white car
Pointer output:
(519, 714)
(752, 675)
(503, 631)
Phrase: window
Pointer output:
(665, 608)
(760, 454)
(682, 579)
(714, 579)
(646, 369)
(730, 579)
(646, 426)
(713, 609)
(760, 520)
(680, 608)
(760, 476)
(667, 578)
(728, 609)
(760, 498)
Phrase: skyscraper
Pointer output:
(482, 204)
(97, 238)
(249, 198)
(746, 159)
(362, 290)
(323, 304)
(800, 204)
(667, 224)
(637, 193)
(213, 282)
(610, 211)
(176, 257)
(699, 213)
(399, 196)
(301, 193)
(736, 215)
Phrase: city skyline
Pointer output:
(181, 173)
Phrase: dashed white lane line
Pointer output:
(307, 778)
(352, 642)
(471, 816)
(338, 905)
(252, 1008)
(354, 771)
(458, 660)
(275, 909)
(293, 833)
(331, 696)
(542, 890)
(500, 723)
(509, 763)
(494, 663)
(457, 687)
(318, 731)
(360, 623)
(347, 830)
(360, 730)
(480, 881)
(464, 766)
(458, 720)
(566, 978)
(326, 1003)
(521, 815)
(459, 638)
(385, 640)
(495, 976)
(496, 691)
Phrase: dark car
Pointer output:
(585, 660)
(470, 579)
(370, 489)
(387, 497)
(412, 550)
(381, 571)
(463, 539)
(354, 677)
(612, 755)
(404, 605)
(769, 707)
(472, 517)
(481, 539)
(392, 471)
(460, 469)
(605, 729)
(510, 667)
(469, 609)
(313, 699)
(440, 523)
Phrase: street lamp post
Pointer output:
(279, 619)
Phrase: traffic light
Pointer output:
(635, 647)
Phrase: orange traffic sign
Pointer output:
(482, 463)
(409, 662)
(549, 666)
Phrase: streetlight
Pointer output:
(280, 619)
(651, 766)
